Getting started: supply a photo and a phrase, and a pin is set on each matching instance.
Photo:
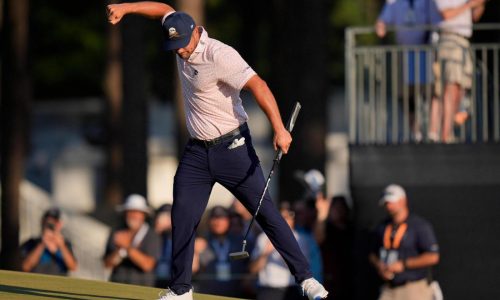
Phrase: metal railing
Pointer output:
(389, 89)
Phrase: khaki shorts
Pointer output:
(454, 62)
(416, 290)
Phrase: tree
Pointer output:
(114, 97)
(299, 63)
(135, 107)
(16, 107)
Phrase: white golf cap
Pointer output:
(393, 193)
(314, 179)
(135, 202)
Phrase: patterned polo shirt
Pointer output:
(211, 81)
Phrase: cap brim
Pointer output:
(170, 45)
(124, 208)
(387, 199)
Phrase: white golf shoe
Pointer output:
(313, 289)
(168, 294)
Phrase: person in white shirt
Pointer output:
(454, 66)
(274, 278)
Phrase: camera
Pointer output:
(50, 226)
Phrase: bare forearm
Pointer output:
(150, 9)
(258, 264)
(113, 259)
(373, 259)
(477, 13)
(143, 261)
(450, 13)
(422, 261)
(320, 231)
(68, 258)
(195, 267)
(265, 98)
(32, 258)
(154, 10)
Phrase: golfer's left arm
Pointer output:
(140, 259)
(267, 102)
(149, 9)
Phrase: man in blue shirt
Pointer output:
(50, 253)
(403, 250)
(404, 14)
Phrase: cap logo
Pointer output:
(172, 33)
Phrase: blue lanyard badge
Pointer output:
(222, 266)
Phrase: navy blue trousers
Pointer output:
(239, 171)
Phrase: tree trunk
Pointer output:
(114, 97)
(16, 106)
(135, 107)
(299, 72)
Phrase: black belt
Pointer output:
(223, 138)
(399, 284)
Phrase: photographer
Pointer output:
(51, 253)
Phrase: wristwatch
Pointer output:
(122, 253)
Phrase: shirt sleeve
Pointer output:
(231, 68)
(435, 16)
(426, 240)
(386, 15)
(445, 4)
(27, 247)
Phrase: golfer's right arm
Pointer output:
(153, 10)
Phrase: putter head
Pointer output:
(239, 255)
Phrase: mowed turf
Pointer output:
(28, 286)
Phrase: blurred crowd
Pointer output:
(403, 247)
(139, 251)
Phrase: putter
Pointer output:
(290, 124)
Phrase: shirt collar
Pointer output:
(201, 45)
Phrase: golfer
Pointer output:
(220, 150)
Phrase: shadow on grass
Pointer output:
(55, 294)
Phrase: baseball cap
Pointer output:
(164, 208)
(392, 193)
(135, 202)
(219, 212)
(177, 29)
(52, 212)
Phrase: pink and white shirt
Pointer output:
(211, 81)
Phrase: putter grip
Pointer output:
(290, 124)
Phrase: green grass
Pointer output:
(29, 286)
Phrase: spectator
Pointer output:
(335, 234)
(163, 228)
(305, 220)
(410, 13)
(217, 274)
(51, 253)
(240, 220)
(133, 250)
(455, 66)
(404, 249)
(274, 278)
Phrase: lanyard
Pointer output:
(394, 241)
(221, 250)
